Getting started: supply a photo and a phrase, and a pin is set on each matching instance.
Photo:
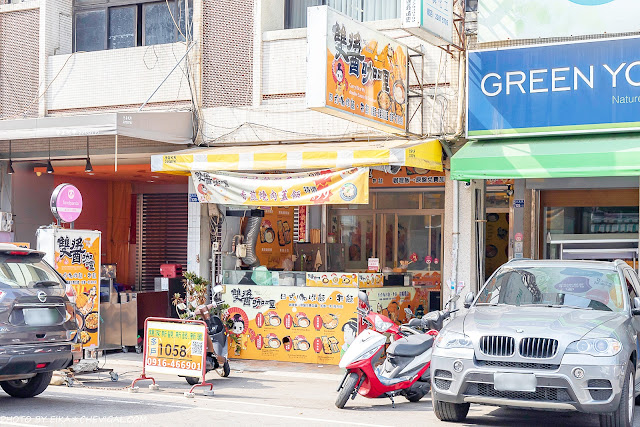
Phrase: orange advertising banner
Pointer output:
(276, 237)
(77, 259)
(291, 324)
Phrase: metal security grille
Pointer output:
(163, 235)
(497, 345)
(538, 348)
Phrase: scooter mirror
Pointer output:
(217, 289)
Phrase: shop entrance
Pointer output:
(589, 224)
(497, 204)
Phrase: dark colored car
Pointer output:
(37, 322)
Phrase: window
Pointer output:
(116, 24)
(360, 10)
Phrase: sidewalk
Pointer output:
(119, 361)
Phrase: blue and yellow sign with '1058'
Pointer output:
(175, 348)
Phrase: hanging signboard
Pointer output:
(354, 72)
(291, 324)
(565, 88)
(532, 19)
(330, 186)
(431, 20)
(66, 203)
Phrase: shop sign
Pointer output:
(431, 20)
(329, 186)
(354, 72)
(175, 348)
(391, 301)
(66, 203)
(275, 243)
(565, 88)
(77, 259)
(406, 177)
(373, 264)
(291, 324)
(302, 223)
(533, 19)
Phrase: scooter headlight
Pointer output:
(381, 325)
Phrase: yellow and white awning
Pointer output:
(297, 157)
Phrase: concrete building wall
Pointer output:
(19, 60)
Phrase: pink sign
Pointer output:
(66, 203)
(518, 237)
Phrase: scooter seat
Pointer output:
(412, 345)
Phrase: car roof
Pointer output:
(607, 265)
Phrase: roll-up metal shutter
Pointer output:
(163, 220)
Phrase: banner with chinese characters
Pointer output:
(406, 177)
(329, 186)
(291, 324)
(391, 301)
(276, 237)
(175, 348)
(77, 259)
(355, 72)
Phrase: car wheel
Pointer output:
(447, 411)
(623, 415)
(29, 387)
(347, 390)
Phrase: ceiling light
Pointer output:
(88, 167)
(49, 167)
(10, 170)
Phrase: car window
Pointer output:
(18, 274)
(632, 283)
(598, 289)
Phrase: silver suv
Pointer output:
(37, 322)
(553, 335)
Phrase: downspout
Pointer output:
(455, 234)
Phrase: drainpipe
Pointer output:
(454, 239)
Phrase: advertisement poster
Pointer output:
(406, 177)
(291, 324)
(582, 87)
(497, 251)
(429, 279)
(329, 186)
(355, 72)
(532, 19)
(275, 243)
(175, 348)
(391, 301)
(77, 259)
(431, 20)
(329, 279)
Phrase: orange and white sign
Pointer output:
(355, 72)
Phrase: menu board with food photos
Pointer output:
(290, 324)
(275, 243)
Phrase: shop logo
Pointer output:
(348, 192)
(71, 194)
(590, 2)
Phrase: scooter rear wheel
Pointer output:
(347, 390)
(225, 370)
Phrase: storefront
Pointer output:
(325, 244)
(565, 130)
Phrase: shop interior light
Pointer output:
(10, 170)
(88, 167)
(49, 165)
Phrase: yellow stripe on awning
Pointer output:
(296, 157)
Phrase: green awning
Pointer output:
(616, 154)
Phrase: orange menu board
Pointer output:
(77, 259)
(291, 324)
(275, 243)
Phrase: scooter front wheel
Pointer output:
(192, 380)
(347, 390)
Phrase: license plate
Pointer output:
(41, 316)
(514, 382)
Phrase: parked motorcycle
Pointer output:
(405, 369)
(217, 345)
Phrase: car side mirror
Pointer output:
(468, 300)
(635, 310)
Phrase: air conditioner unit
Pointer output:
(6, 221)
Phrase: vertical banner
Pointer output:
(291, 324)
(77, 259)
(276, 237)
(302, 224)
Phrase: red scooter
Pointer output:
(405, 369)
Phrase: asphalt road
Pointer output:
(260, 394)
